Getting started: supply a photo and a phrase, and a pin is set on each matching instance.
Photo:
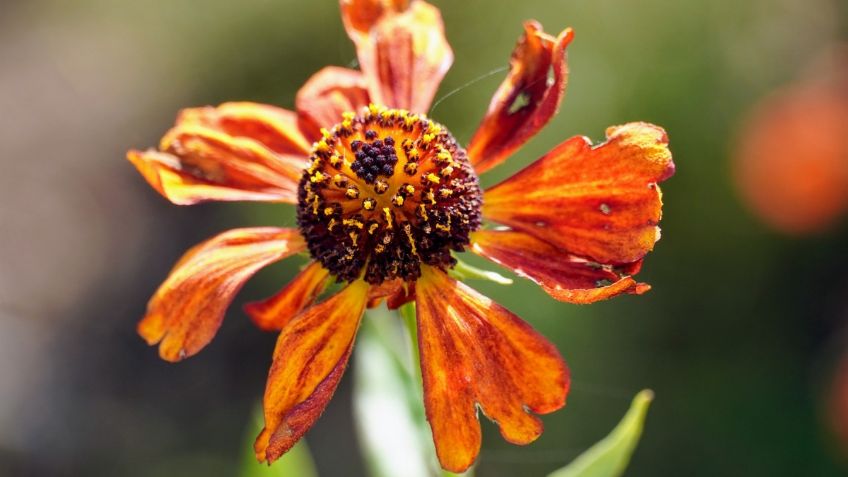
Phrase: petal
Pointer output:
(187, 309)
(309, 360)
(396, 293)
(329, 93)
(599, 202)
(360, 16)
(476, 353)
(237, 151)
(273, 314)
(402, 51)
(563, 276)
(526, 100)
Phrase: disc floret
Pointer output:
(386, 191)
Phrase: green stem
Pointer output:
(407, 313)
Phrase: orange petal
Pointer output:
(273, 314)
(402, 50)
(237, 151)
(563, 276)
(187, 309)
(396, 293)
(329, 93)
(526, 100)
(600, 202)
(310, 357)
(360, 16)
(475, 353)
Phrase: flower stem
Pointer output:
(407, 314)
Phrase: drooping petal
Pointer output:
(237, 151)
(599, 202)
(526, 100)
(402, 50)
(275, 312)
(187, 309)
(563, 276)
(475, 353)
(329, 93)
(395, 292)
(309, 360)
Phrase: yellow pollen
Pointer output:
(352, 193)
(369, 204)
(354, 223)
(397, 200)
(432, 178)
(381, 186)
(328, 211)
(446, 171)
(388, 214)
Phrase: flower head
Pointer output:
(385, 196)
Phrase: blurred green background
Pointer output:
(738, 337)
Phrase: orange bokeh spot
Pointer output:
(791, 165)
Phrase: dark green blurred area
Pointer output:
(737, 337)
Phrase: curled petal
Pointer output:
(309, 360)
(599, 202)
(187, 309)
(526, 100)
(563, 276)
(360, 16)
(273, 314)
(396, 292)
(476, 353)
(237, 151)
(402, 50)
(329, 93)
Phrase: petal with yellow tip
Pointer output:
(188, 308)
(599, 202)
(309, 360)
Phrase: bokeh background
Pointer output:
(739, 337)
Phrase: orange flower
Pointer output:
(384, 197)
(791, 163)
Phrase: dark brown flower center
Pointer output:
(387, 190)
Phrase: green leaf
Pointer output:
(297, 461)
(610, 456)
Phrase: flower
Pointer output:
(791, 163)
(384, 196)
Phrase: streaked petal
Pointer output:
(237, 151)
(562, 275)
(187, 309)
(309, 360)
(329, 93)
(402, 50)
(475, 353)
(599, 202)
(526, 100)
(275, 312)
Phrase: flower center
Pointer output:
(387, 190)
